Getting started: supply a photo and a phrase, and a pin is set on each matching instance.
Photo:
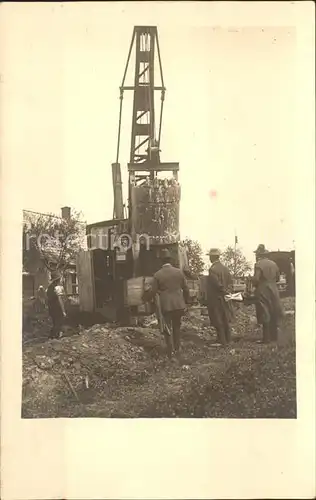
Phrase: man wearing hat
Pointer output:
(268, 303)
(218, 285)
(169, 282)
(55, 304)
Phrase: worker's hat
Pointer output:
(214, 252)
(261, 250)
(165, 254)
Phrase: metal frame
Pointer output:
(145, 40)
(145, 139)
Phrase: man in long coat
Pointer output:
(268, 304)
(219, 284)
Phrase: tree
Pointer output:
(236, 262)
(53, 240)
(194, 253)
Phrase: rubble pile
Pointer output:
(96, 361)
(108, 371)
(155, 210)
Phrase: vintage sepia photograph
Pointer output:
(157, 250)
(158, 238)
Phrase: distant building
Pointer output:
(36, 273)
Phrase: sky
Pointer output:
(229, 117)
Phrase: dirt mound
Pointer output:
(96, 361)
(110, 371)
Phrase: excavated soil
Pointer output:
(108, 371)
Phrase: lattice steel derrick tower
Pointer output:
(143, 122)
(146, 134)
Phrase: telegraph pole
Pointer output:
(235, 255)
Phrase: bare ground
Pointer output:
(107, 371)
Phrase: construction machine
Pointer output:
(124, 252)
(285, 260)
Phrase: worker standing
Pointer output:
(170, 285)
(55, 304)
(267, 299)
(41, 299)
(218, 285)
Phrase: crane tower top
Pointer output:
(145, 134)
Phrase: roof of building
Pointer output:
(106, 223)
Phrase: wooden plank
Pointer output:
(128, 87)
(85, 281)
(145, 167)
(117, 191)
